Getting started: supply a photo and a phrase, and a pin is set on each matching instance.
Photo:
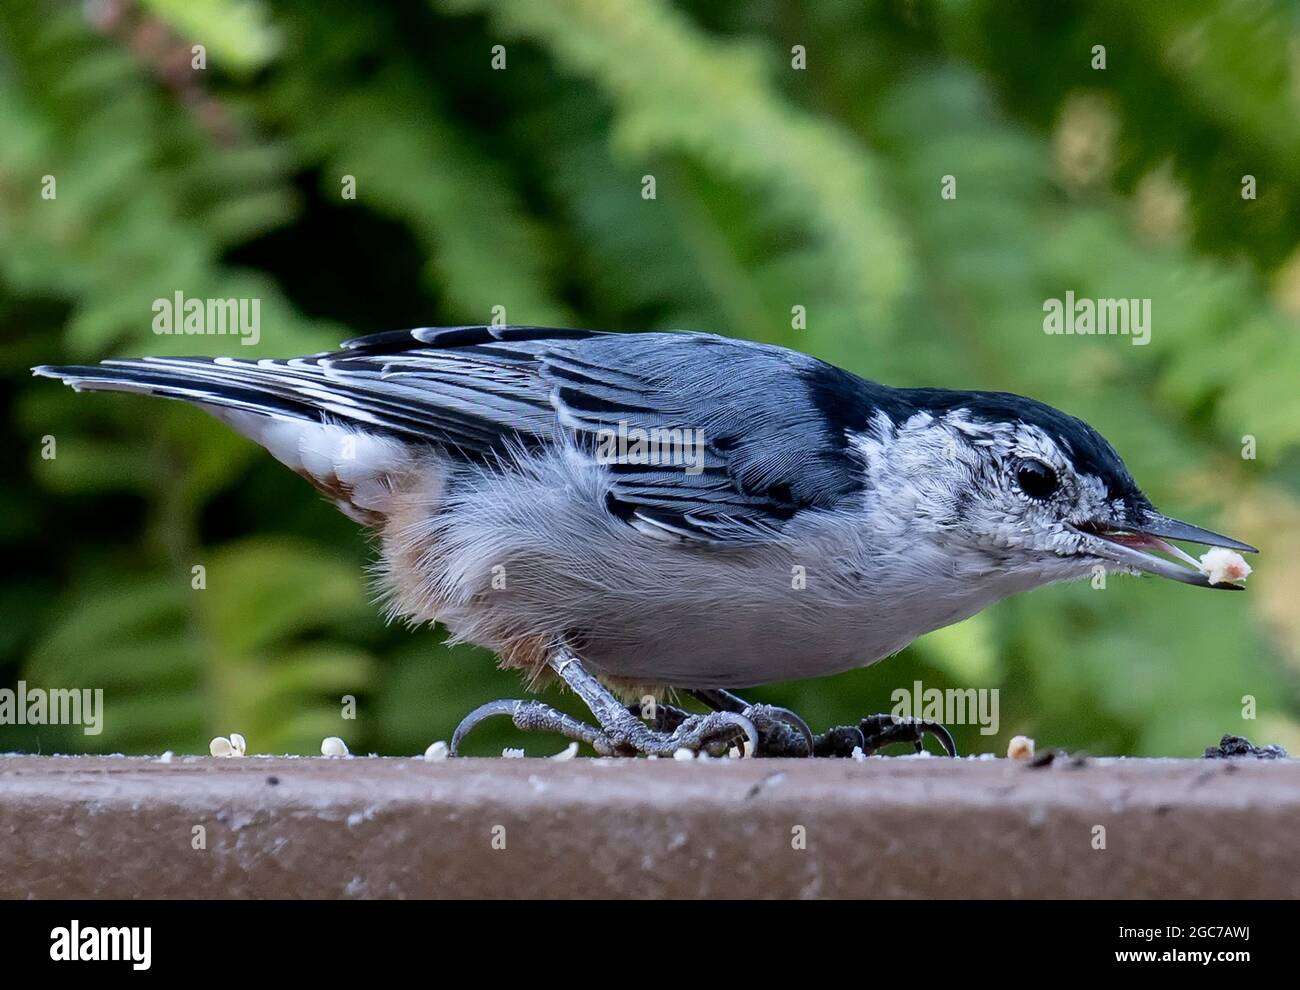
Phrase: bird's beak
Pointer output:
(1127, 545)
(1155, 524)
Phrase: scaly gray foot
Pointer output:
(620, 732)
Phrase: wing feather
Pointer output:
(766, 446)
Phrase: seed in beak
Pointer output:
(1222, 566)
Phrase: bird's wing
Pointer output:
(768, 424)
(475, 390)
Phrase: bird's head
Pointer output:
(1008, 483)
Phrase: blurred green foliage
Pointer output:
(520, 187)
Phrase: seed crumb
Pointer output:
(568, 753)
(1020, 748)
(1224, 566)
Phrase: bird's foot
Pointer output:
(756, 730)
(530, 716)
(664, 729)
(621, 732)
(664, 718)
(714, 734)
(877, 731)
(781, 732)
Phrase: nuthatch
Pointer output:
(678, 510)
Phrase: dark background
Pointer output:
(521, 188)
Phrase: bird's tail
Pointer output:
(471, 389)
(310, 424)
(225, 383)
(347, 417)
(461, 404)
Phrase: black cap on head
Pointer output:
(1088, 449)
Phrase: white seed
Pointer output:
(1224, 566)
(221, 747)
(512, 754)
(166, 757)
(437, 751)
(1020, 748)
(333, 746)
(238, 744)
(568, 753)
(682, 753)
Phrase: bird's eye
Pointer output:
(1036, 479)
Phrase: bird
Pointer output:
(679, 511)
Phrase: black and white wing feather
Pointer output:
(771, 422)
(771, 444)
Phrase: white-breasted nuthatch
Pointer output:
(678, 510)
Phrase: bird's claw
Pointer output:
(530, 716)
(780, 732)
(760, 730)
(877, 731)
(715, 733)
(663, 717)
